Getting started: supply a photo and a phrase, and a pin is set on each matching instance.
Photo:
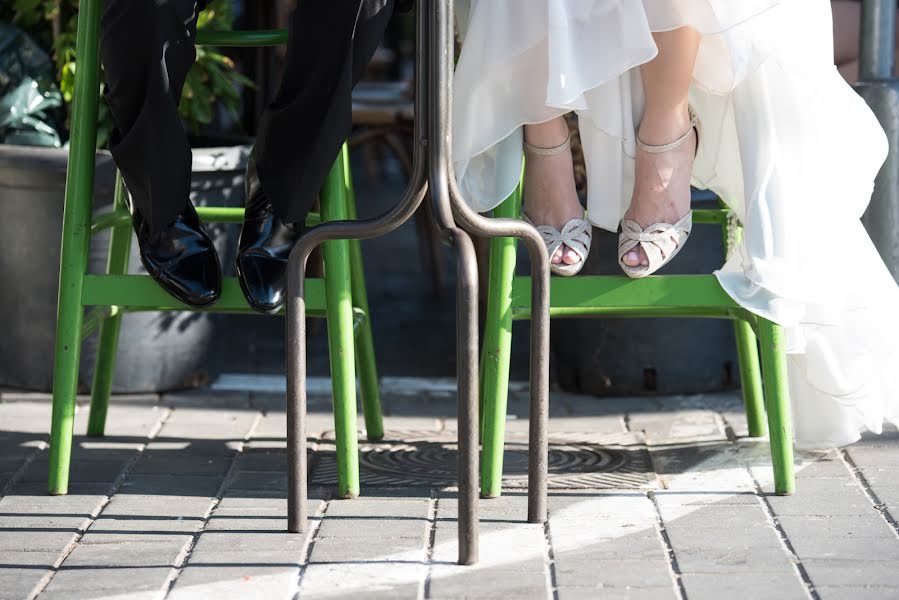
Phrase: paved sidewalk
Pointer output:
(650, 498)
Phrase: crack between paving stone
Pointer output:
(785, 542)
(41, 585)
(430, 537)
(673, 568)
(184, 556)
(312, 537)
(552, 579)
(18, 473)
(869, 492)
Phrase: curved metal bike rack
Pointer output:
(442, 55)
(433, 101)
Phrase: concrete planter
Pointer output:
(157, 351)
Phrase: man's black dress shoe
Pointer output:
(264, 248)
(181, 258)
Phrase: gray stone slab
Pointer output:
(239, 582)
(338, 527)
(379, 507)
(259, 481)
(216, 541)
(715, 517)
(829, 499)
(886, 549)
(490, 583)
(148, 539)
(732, 560)
(874, 456)
(41, 523)
(858, 593)
(161, 463)
(183, 485)
(364, 550)
(400, 592)
(139, 526)
(843, 526)
(685, 536)
(71, 505)
(16, 584)
(35, 541)
(693, 426)
(97, 582)
(262, 557)
(574, 570)
(274, 523)
(82, 471)
(157, 506)
(606, 593)
(828, 467)
(848, 572)
(771, 586)
(262, 460)
(127, 552)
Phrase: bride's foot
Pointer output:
(550, 196)
(666, 149)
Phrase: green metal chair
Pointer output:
(619, 296)
(340, 296)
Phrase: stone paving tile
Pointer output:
(350, 581)
(220, 582)
(591, 593)
(857, 593)
(714, 586)
(605, 544)
(668, 428)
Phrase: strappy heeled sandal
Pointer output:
(660, 241)
(576, 234)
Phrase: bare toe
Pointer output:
(632, 258)
(557, 257)
(570, 257)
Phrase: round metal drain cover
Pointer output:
(572, 465)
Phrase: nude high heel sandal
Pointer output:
(576, 234)
(660, 241)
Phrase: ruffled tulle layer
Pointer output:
(785, 142)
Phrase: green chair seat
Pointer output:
(509, 298)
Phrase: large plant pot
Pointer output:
(32, 190)
(158, 351)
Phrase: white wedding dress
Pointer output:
(785, 142)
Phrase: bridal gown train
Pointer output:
(785, 142)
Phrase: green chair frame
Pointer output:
(340, 296)
(764, 385)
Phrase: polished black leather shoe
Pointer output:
(264, 248)
(181, 258)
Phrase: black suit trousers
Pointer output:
(147, 48)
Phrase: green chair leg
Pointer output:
(339, 301)
(117, 264)
(747, 348)
(777, 400)
(750, 378)
(74, 249)
(496, 352)
(365, 346)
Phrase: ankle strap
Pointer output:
(676, 143)
(537, 150)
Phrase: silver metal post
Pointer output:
(877, 43)
(442, 101)
(467, 366)
(881, 91)
(297, 512)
